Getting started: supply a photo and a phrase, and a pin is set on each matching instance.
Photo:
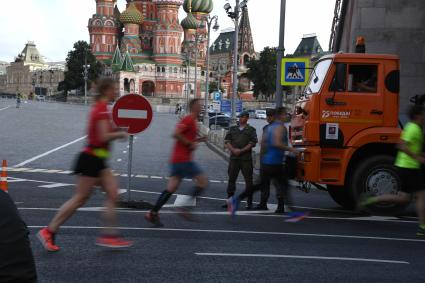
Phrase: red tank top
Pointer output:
(99, 112)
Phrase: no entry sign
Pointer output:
(134, 112)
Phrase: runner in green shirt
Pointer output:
(409, 161)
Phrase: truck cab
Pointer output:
(346, 126)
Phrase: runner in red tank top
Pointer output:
(181, 163)
(92, 170)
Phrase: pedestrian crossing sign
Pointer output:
(295, 71)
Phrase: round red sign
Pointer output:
(134, 112)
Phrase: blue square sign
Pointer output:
(295, 71)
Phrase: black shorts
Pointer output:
(412, 180)
(89, 165)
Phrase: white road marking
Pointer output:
(210, 231)
(19, 169)
(132, 114)
(48, 152)
(119, 160)
(184, 200)
(304, 257)
(14, 180)
(56, 185)
(5, 108)
(187, 180)
(121, 191)
(215, 181)
(142, 176)
(36, 170)
(53, 171)
(157, 177)
(66, 172)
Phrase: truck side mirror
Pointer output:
(338, 83)
(340, 78)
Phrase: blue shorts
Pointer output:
(185, 170)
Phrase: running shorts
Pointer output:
(185, 170)
(89, 165)
(412, 180)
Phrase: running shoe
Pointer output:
(114, 242)
(153, 218)
(421, 232)
(186, 214)
(366, 202)
(296, 216)
(47, 239)
(233, 205)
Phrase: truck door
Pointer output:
(352, 102)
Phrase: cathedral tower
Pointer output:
(104, 29)
(132, 18)
(167, 33)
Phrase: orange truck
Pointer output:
(346, 127)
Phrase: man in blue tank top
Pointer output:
(275, 143)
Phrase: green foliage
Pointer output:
(213, 87)
(74, 77)
(262, 73)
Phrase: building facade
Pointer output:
(30, 75)
(144, 46)
(388, 27)
(222, 52)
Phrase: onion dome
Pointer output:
(190, 22)
(170, 2)
(131, 15)
(198, 6)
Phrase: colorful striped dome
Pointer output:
(131, 15)
(190, 22)
(199, 6)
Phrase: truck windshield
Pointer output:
(318, 76)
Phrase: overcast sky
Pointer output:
(55, 25)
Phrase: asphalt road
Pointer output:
(330, 245)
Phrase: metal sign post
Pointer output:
(133, 112)
(130, 164)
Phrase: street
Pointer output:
(40, 141)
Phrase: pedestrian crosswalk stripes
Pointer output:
(118, 174)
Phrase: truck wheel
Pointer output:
(342, 197)
(376, 176)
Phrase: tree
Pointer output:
(74, 77)
(213, 87)
(262, 72)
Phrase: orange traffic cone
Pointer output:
(3, 177)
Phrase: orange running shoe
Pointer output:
(47, 239)
(153, 218)
(114, 242)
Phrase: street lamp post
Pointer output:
(280, 54)
(86, 76)
(209, 20)
(188, 79)
(41, 84)
(235, 14)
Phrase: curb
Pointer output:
(218, 151)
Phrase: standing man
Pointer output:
(182, 164)
(409, 160)
(265, 191)
(274, 144)
(240, 140)
(16, 259)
